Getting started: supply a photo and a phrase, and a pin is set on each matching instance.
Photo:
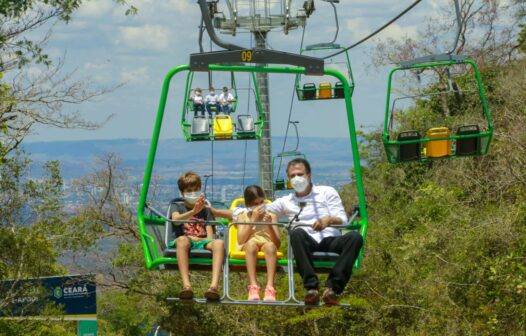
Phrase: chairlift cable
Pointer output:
(290, 115)
(405, 11)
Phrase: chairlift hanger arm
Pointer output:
(332, 44)
(201, 61)
(207, 18)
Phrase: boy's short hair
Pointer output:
(198, 90)
(189, 180)
(225, 88)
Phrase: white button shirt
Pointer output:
(322, 201)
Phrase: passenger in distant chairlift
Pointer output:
(197, 100)
(226, 99)
(212, 100)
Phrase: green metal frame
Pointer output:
(392, 147)
(152, 259)
(187, 106)
(300, 90)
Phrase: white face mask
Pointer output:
(212, 93)
(252, 208)
(191, 197)
(299, 183)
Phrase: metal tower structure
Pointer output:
(261, 17)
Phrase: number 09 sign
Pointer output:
(246, 56)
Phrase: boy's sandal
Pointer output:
(212, 294)
(186, 293)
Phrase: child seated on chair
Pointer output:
(212, 102)
(226, 99)
(197, 101)
(255, 238)
(196, 236)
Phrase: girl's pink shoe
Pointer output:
(253, 293)
(270, 294)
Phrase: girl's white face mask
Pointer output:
(191, 197)
(252, 208)
(299, 183)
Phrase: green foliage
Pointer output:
(17, 9)
(522, 38)
(121, 309)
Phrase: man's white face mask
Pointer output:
(299, 183)
(191, 197)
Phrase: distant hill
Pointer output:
(330, 157)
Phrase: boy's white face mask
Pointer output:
(299, 183)
(191, 197)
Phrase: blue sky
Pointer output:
(110, 49)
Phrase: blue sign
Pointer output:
(75, 296)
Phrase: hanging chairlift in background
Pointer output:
(314, 88)
(221, 127)
(282, 183)
(443, 127)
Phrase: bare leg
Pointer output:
(270, 258)
(251, 252)
(182, 244)
(218, 252)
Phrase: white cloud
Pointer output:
(94, 66)
(145, 37)
(181, 6)
(358, 27)
(134, 76)
(397, 32)
(95, 8)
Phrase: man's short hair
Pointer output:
(301, 161)
(189, 180)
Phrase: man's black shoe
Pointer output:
(312, 297)
(329, 297)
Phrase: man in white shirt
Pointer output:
(212, 100)
(226, 99)
(322, 206)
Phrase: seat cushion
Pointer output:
(325, 256)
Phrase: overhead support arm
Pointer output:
(205, 13)
(201, 61)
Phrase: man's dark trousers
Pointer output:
(347, 246)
